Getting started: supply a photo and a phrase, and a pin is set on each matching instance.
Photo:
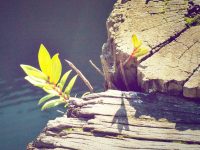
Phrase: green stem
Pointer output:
(59, 91)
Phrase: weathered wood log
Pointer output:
(192, 87)
(125, 120)
(163, 25)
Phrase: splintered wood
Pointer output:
(125, 120)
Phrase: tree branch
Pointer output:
(96, 68)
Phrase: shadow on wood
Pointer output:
(125, 120)
(185, 113)
(122, 122)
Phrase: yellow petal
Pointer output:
(44, 60)
(136, 42)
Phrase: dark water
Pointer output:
(74, 28)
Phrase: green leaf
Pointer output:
(70, 85)
(142, 51)
(49, 86)
(49, 89)
(35, 81)
(136, 42)
(64, 79)
(52, 103)
(66, 105)
(44, 59)
(56, 71)
(45, 98)
(31, 71)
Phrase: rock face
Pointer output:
(124, 121)
(170, 30)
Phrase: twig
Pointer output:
(107, 75)
(123, 75)
(59, 111)
(113, 50)
(126, 61)
(87, 83)
(129, 59)
(96, 68)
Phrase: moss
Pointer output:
(162, 10)
(120, 137)
(186, 2)
(166, 2)
(70, 130)
(193, 21)
(180, 142)
(189, 20)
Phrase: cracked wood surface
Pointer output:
(125, 120)
(192, 86)
(169, 68)
(174, 58)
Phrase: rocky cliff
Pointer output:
(170, 30)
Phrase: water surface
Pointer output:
(74, 28)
